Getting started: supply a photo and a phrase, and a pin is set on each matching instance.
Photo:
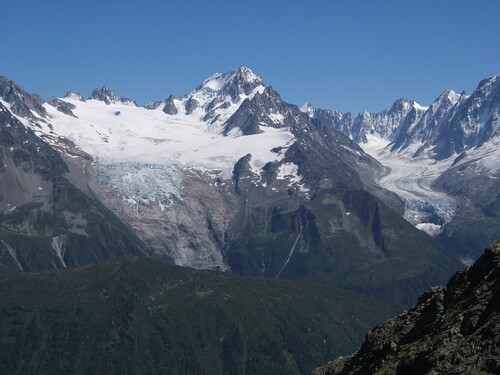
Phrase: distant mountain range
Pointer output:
(444, 161)
(231, 177)
(454, 123)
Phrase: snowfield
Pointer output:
(119, 133)
(140, 153)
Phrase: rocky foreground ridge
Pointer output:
(452, 330)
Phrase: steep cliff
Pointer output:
(452, 330)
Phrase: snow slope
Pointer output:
(120, 133)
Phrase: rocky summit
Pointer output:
(452, 330)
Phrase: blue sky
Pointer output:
(347, 55)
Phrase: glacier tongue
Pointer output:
(142, 183)
(411, 178)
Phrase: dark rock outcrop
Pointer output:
(63, 106)
(75, 95)
(106, 95)
(170, 108)
(21, 103)
(452, 330)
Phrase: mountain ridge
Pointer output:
(452, 329)
(427, 150)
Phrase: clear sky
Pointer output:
(348, 55)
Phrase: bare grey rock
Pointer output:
(170, 108)
(186, 222)
(63, 106)
(452, 330)
(21, 103)
(75, 95)
(106, 95)
(190, 105)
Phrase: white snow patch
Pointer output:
(351, 150)
(291, 251)
(290, 171)
(374, 145)
(74, 95)
(277, 117)
(419, 107)
(431, 229)
(308, 109)
(57, 245)
(468, 261)
(13, 254)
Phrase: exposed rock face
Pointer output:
(45, 220)
(265, 109)
(107, 96)
(75, 95)
(21, 103)
(452, 330)
(170, 108)
(451, 149)
(62, 106)
(190, 227)
(386, 124)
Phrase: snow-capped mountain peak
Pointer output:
(487, 92)
(308, 109)
(187, 170)
(186, 131)
(21, 103)
(447, 99)
(365, 114)
(218, 97)
(75, 95)
(242, 77)
(399, 104)
(214, 82)
(106, 95)
(489, 84)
